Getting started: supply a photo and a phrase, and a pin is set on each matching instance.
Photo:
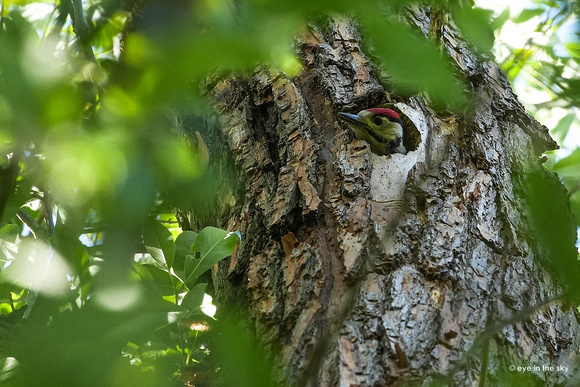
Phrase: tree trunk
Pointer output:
(366, 270)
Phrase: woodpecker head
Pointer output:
(382, 128)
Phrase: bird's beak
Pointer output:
(352, 119)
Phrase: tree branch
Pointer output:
(81, 29)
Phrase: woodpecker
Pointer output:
(382, 128)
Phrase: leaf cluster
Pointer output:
(544, 69)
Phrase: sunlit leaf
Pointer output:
(563, 126)
(500, 20)
(515, 64)
(573, 48)
(193, 299)
(211, 245)
(527, 14)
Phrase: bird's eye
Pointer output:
(377, 120)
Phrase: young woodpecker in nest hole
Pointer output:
(382, 128)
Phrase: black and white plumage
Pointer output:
(382, 128)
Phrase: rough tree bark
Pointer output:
(366, 270)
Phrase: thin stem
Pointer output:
(11, 302)
(191, 349)
(35, 228)
(484, 337)
(484, 360)
(182, 343)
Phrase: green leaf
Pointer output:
(413, 63)
(183, 245)
(475, 25)
(567, 168)
(159, 243)
(527, 14)
(82, 263)
(563, 127)
(17, 199)
(193, 299)
(555, 227)
(211, 245)
(167, 283)
(516, 62)
(573, 48)
(499, 21)
(575, 205)
(9, 232)
(190, 264)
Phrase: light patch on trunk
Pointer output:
(389, 173)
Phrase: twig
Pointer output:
(35, 228)
(483, 338)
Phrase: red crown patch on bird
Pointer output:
(385, 112)
(381, 128)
